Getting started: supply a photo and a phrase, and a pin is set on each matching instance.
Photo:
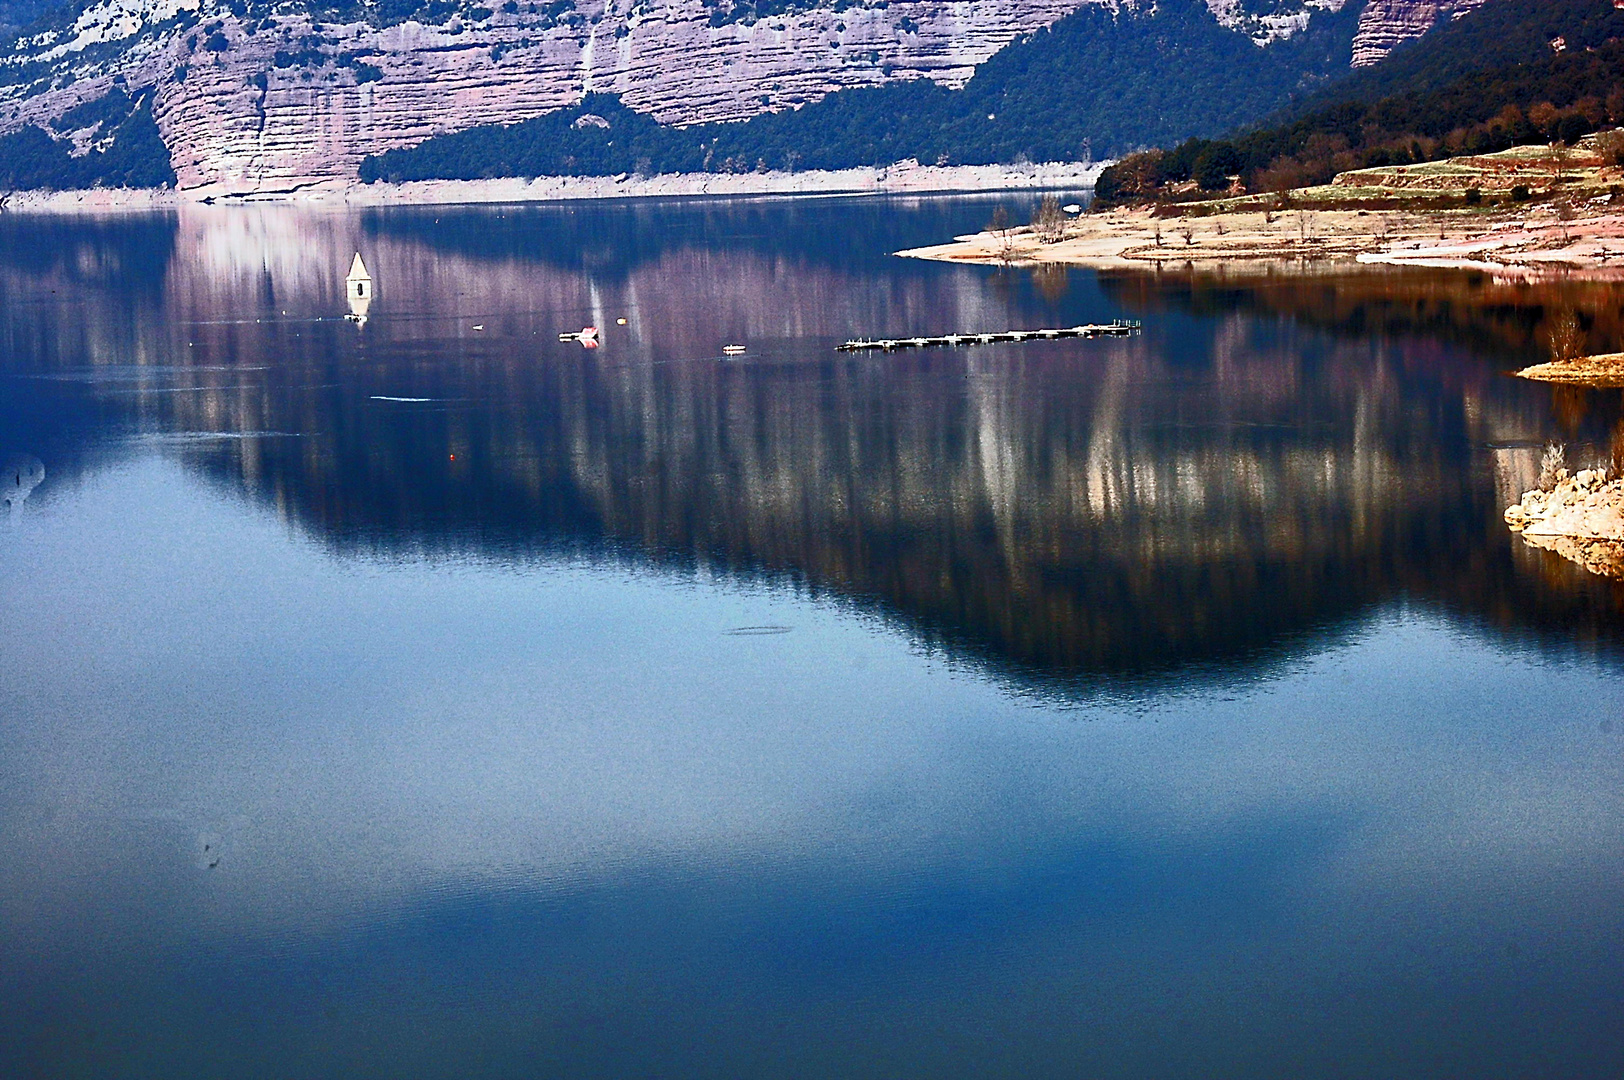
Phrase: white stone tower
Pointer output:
(359, 284)
(358, 290)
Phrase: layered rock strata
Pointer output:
(267, 109)
(1387, 24)
(276, 103)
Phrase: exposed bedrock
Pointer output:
(1386, 24)
(249, 106)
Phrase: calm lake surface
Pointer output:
(429, 697)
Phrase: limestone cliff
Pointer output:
(249, 106)
(274, 99)
(1389, 23)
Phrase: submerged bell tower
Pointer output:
(358, 289)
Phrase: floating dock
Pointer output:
(1120, 328)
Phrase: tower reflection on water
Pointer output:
(1273, 459)
(19, 475)
(415, 699)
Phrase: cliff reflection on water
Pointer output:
(1273, 460)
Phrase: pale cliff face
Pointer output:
(1386, 24)
(316, 121)
(1269, 20)
(235, 121)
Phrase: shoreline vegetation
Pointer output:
(902, 178)
(1099, 82)
(1530, 210)
(1523, 215)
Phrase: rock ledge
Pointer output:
(1581, 519)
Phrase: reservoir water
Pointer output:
(426, 696)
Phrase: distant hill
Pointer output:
(1514, 72)
(273, 96)
(1500, 34)
(16, 14)
(120, 147)
(1096, 83)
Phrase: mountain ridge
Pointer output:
(1517, 72)
(262, 96)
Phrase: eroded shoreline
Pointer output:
(905, 178)
(1532, 243)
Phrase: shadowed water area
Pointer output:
(426, 696)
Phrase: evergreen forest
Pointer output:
(1095, 84)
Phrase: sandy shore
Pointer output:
(1604, 369)
(901, 179)
(1531, 244)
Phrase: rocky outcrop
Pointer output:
(1601, 557)
(1581, 505)
(1273, 22)
(1386, 24)
(1581, 519)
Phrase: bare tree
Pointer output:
(1610, 145)
(1561, 154)
(999, 227)
(1553, 466)
(1565, 336)
(1564, 214)
(1049, 221)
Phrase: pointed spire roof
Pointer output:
(358, 270)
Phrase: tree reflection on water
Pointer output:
(1277, 457)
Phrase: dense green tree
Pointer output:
(135, 156)
(1096, 83)
(1469, 87)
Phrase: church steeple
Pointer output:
(358, 286)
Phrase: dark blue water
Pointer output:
(430, 697)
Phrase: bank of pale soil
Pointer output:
(1582, 519)
(1428, 218)
(904, 178)
(1534, 243)
(1603, 369)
